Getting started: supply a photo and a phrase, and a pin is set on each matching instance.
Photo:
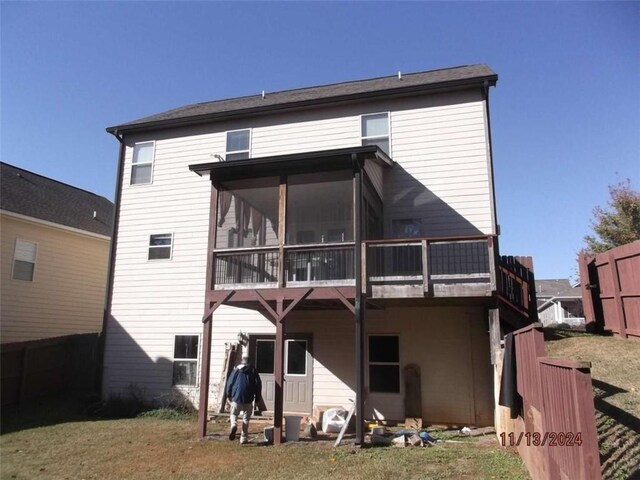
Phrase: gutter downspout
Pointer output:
(112, 259)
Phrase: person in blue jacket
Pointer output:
(243, 387)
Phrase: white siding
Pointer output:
(442, 177)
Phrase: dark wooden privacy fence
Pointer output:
(556, 434)
(610, 284)
(44, 367)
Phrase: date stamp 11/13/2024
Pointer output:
(537, 439)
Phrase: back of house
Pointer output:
(281, 217)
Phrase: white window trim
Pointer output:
(399, 363)
(232, 152)
(149, 247)
(196, 360)
(286, 357)
(376, 137)
(13, 261)
(152, 163)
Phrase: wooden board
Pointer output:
(412, 391)
(346, 425)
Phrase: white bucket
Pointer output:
(292, 428)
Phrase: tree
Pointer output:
(618, 225)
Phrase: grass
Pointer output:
(53, 440)
(615, 371)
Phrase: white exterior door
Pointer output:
(298, 375)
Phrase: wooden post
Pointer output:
(282, 228)
(278, 401)
(425, 266)
(205, 363)
(494, 334)
(205, 370)
(359, 304)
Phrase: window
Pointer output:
(142, 164)
(265, 356)
(238, 144)
(160, 246)
(185, 359)
(24, 260)
(375, 131)
(296, 360)
(384, 363)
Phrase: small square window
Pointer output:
(238, 145)
(185, 360)
(160, 246)
(384, 363)
(375, 130)
(142, 163)
(24, 260)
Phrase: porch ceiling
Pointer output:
(324, 160)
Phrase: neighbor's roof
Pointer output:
(556, 287)
(448, 78)
(33, 195)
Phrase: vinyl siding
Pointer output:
(67, 293)
(441, 177)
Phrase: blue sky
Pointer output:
(565, 113)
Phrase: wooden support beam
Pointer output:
(282, 228)
(278, 401)
(344, 300)
(205, 371)
(494, 334)
(425, 266)
(205, 363)
(359, 306)
(266, 305)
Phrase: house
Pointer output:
(559, 302)
(347, 231)
(54, 257)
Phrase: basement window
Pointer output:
(185, 360)
(24, 260)
(142, 163)
(384, 363)
(160, 246)
(238, 145)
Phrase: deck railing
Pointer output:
(424, 262)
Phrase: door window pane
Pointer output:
(296, 357)
(265, 355)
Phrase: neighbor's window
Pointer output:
(142, 163)
(160, 246)
(24, 260)
(384, 363)
(185, 360)
(375, 130)
(238, 144)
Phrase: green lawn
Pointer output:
(53, 440)
(615, 372)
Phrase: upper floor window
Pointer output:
(24, 260)
(185, 359)
(160, 246)
(238, 144)
(142, 163)
(375, 130)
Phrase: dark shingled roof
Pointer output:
(40, 197)
(559, 287)
(304, 97)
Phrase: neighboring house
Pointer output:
(559, 301)
(282, 216)
(55, 249)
